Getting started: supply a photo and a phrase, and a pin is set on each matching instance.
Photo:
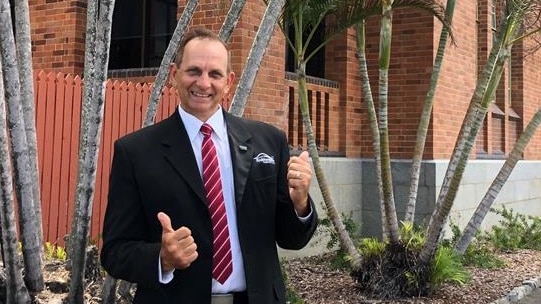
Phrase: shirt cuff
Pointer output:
(164, 277)
(305, 219)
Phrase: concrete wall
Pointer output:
(353, 188)
(345, 183)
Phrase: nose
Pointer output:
(203, 81)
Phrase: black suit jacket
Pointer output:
(154, 169)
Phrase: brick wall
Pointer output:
(58, 35)
(58, 45)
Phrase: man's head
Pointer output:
(201, 73)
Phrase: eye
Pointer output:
(193, 72)
(215, 75)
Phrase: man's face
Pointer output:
(202, 79)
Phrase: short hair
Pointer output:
(200, 33)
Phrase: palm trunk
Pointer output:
(16, 291)
(425, 117)
(19, 153)
(479, 104)
(231, 19)
(372, 117)
(101, 24)
(334, 216)
(259, 45)
(386, 175)
(496, 186)
(163, 71)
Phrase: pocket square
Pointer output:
(264, 158)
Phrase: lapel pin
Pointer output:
(243, 148)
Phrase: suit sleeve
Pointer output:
(291, 232)
(127, 252)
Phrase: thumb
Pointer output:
(304, 156)
(165, 221)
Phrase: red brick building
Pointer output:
(142, 28)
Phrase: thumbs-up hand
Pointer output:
(299, 175)
(178, 247)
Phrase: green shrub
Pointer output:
(516, 231)
(340, 260)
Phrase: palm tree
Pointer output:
(482, 209)
(515, 11)
(426, 115)
(372, 115)
(378, 121)
(305, 17)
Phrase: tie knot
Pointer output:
(206, 129)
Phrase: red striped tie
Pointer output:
(223, 264)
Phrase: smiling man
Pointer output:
(198, 202)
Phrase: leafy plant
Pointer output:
(480, 254)
(55, 252)
(371, 247)
(341, 260)
(516, 231)
(447, 267)
(412, 236)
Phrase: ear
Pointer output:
(172, 75)
(230, 79)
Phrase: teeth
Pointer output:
(200, 94)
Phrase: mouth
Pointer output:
(200, 95)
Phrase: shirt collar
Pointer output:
(193, 124)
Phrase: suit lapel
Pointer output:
(240, 144)
(178, 151)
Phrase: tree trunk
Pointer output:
(425, 117)
(231, 19)
(386, 175)
(165, 65)
(372, 118)
(345, 240)
(496, 186)
(261, 41)
(16, 291)
(475, 115)
(100, 23)
(19, 153)
(26, 74)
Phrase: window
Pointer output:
(141, 32)
(493, 20)
(316, 66)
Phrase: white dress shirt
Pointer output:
(237, 280)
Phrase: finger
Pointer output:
(165, 221)
(305, 156)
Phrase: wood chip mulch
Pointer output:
(317, 283)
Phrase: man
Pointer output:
(186, 231)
